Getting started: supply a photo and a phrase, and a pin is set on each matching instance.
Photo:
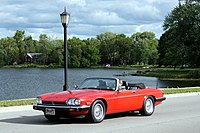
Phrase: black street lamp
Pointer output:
(65, 20)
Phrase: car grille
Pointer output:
(51, 103)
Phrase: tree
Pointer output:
(44, 47)
(184, 24)
(56, 52)
(90, 53)
(105, 36)
(2, 62)
(30, 44)
(123, 46)
(19, 37)
(107, 47)
(145, 48)
(9, 51)
(75, 52)
(188, 1)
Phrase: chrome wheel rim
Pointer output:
(98, 111)
(149, 105)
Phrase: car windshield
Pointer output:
(99, 84)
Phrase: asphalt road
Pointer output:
(175, 115)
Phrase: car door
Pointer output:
(126, 100)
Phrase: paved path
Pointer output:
(178, 114)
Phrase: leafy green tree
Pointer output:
(56, 54)
(90, 55)
(123, 45)
(107, 47)
(75, 52)
(44, 47)
(184, 23)
(19, 37)
(145, 47)
(9, 51)
(152, 45)
(106, 36)
(30, 44)
(2, 62)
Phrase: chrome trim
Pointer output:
(160, 99)
(62, 107)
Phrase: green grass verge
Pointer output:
(169, 73)
(185, 90)
(7, 103)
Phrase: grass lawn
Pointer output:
(7, 103)
(170, 73)
(182, 90)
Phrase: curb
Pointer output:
(16, 108)
(182, 95)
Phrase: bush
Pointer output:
(194, 74)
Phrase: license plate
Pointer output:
(49, 111)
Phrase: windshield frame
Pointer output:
(111, 84)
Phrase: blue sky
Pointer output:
(88, 17)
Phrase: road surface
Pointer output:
(175, 115)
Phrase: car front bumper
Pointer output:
(62, 108)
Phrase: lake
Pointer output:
(31, 82)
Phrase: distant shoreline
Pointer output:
(165, 74)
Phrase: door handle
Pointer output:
(134, 91)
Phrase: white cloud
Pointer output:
(88, 17)
(105, 18)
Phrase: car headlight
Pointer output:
(73, 101)
(39, 100)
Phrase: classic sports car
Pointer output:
(97, 97)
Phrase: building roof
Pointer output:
(33, 54)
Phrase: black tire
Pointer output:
(97, 112)
(148, 107)
(52, 117)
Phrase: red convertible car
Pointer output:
(97, 97)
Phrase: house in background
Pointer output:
(33, 57)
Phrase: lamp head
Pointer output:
(65, 18)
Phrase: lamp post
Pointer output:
(65, 20)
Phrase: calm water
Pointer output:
(31, 82)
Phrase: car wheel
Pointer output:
(97, 112)
(52, 117)
(148, 107)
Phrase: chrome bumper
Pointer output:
(61, 108)
(160, 99)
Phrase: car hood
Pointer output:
(81, 94)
